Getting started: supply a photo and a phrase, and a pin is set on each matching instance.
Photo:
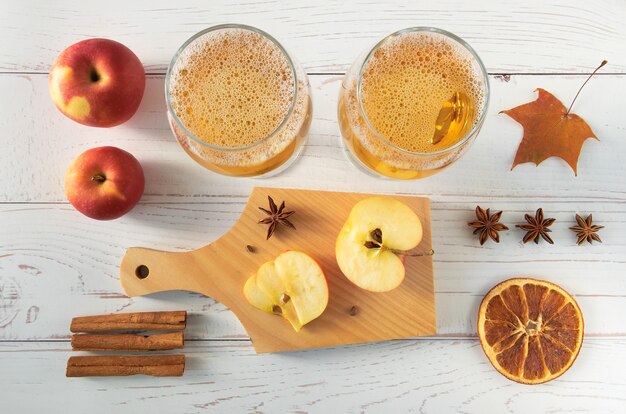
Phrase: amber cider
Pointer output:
(406, 108)
(237, 103)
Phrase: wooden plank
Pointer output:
(510, 36)
(51, 256)
(40, 143)
(430, 376)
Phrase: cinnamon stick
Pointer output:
(127, 342)
(172, 320)
(101, 366)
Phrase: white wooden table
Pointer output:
(56, 263)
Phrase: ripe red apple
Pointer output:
(97, 82)
(104, 183)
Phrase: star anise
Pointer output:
(276, 216)
(537, 227)
(586, 230)
(487, 225)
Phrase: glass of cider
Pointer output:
(237, 102)
(413, 104)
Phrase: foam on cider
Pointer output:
(406, 81)
(231, 88)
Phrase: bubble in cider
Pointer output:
(232, 88)
(238, 104)
(421, 92)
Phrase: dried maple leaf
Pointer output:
(550, 130)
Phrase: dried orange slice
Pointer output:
(531, 330)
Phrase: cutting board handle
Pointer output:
(145, 271)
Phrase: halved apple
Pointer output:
(292, 285)
(370, 244)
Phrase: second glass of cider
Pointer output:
(413, 104)
(237, 102)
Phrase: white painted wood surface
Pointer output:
(438, 376)
(55, 263)
(511, 36)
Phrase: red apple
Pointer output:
(104, 183)
(97, 82)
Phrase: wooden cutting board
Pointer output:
(220, 270)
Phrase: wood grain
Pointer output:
(220, 270)
(54, 262)
(426, 376)
(39, 143)
(51, 255)
(511, 36)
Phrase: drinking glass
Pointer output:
(413, 104)
(237, 102)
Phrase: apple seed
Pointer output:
(372, 245)
(377, 235)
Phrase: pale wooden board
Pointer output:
(38, 143)
(326, 36)
(426, 376)
(54, 256)
(220, 270)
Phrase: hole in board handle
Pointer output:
(142, 271)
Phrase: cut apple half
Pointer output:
(370, 245)
(293, 285)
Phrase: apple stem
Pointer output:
(94, 76)
(408, 253)
(99, 178)
(377, 235)
(604, 62)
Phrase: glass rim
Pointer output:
(227, 26)
(452, 36)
